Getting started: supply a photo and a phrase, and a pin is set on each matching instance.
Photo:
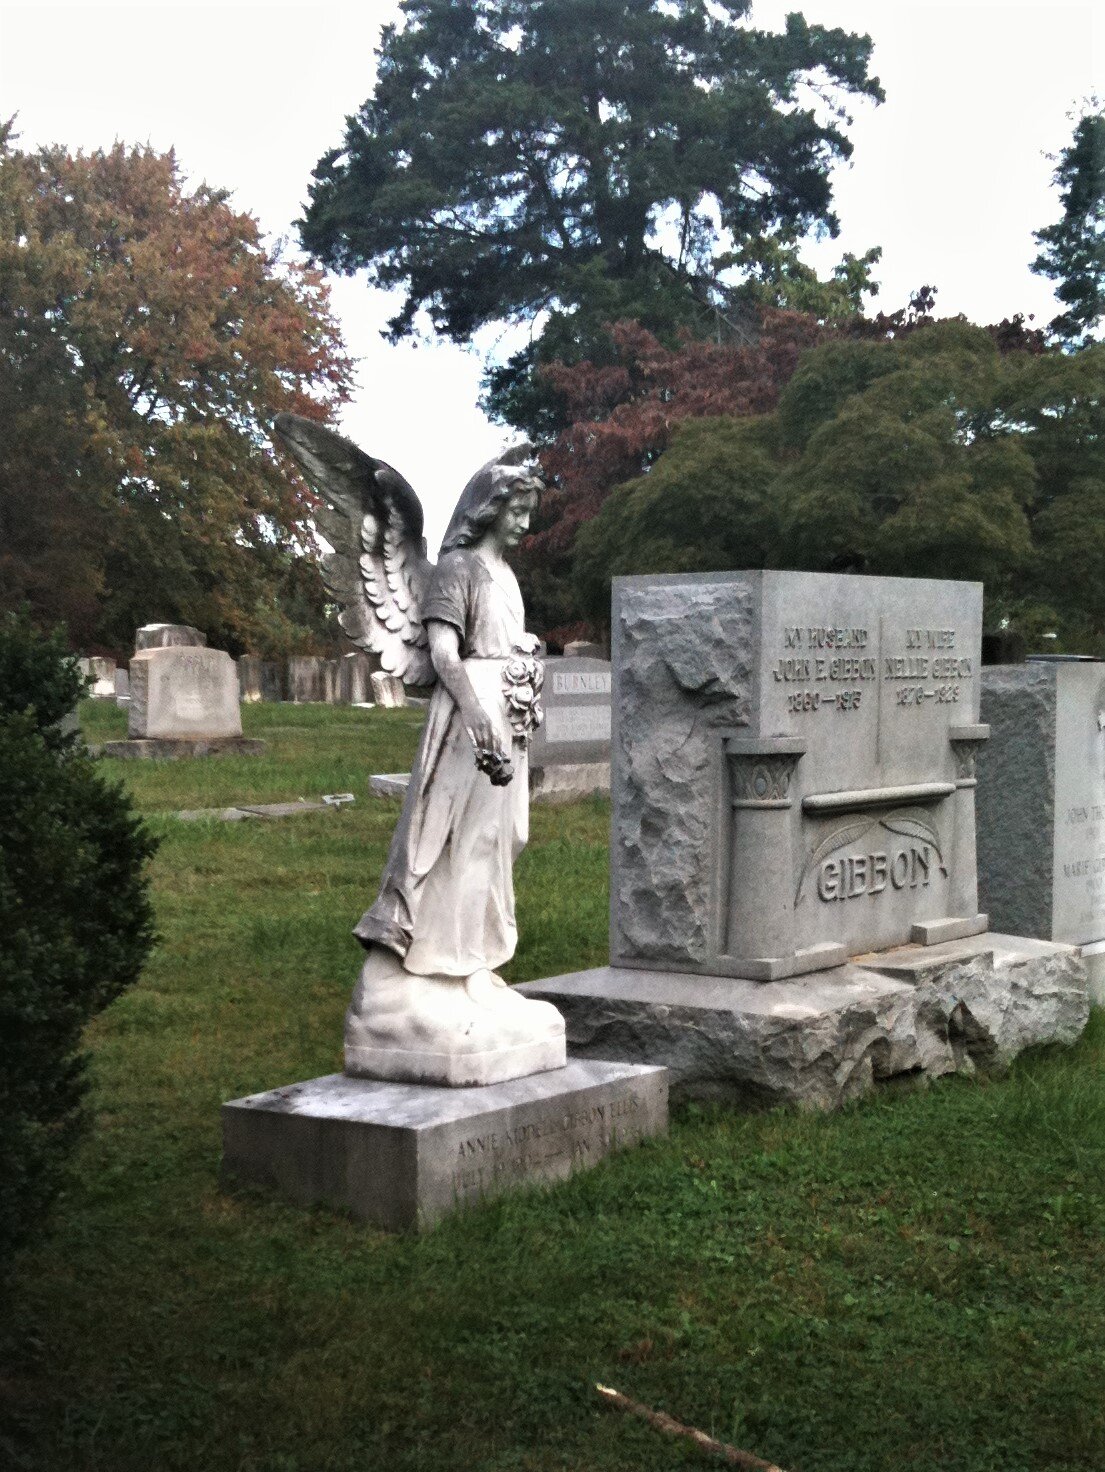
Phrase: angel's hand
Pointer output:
(480, 727)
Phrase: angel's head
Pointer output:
(500, 499)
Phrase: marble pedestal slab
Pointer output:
(404, 1155)
(820, 1040)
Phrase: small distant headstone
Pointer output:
(249, 679)
(102, 674)
(183, 691)
(169, 636)
(583, 649)
(576, 701)
(387, 690)
(355, 679)
(304, 678)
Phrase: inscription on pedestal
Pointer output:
(404, 1155)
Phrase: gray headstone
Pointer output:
(304, 678)
(168, 636)
(249, 679)
(576, 701)
(355, 679)
(183, 691)
(792, 769)
(1041, 800)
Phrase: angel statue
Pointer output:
(429, 1006)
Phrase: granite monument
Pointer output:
(794, 898)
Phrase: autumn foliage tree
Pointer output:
(148, 339)
(620, 418)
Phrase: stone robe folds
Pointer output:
(446, 902)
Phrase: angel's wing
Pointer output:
(378, 570)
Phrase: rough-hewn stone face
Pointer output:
(682, 661)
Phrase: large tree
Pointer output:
(147, 341)
(592, 159)
(1073, 249)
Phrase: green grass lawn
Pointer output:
(916, 1283)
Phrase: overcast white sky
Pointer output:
(949, 176)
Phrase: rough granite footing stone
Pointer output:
(405, 1155)
(173, 749)
(901, 1016)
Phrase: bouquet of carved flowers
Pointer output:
(523, 677)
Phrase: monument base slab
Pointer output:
(569, 782)
(894, 1017)
(403, 1156)
(174, 749)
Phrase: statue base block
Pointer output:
(402, 1156)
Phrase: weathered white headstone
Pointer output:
(355, 679)
(101, 672)
(168, 636)
(583, 649)
(249, 679)
(183, 691)
(387, 690)
(1041, 814)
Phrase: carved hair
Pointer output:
(510, 474)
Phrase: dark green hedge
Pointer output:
(75, 918)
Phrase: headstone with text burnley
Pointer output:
(1041, 818)
(793, 840)
(570, 752)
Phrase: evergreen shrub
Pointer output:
(75, 918)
